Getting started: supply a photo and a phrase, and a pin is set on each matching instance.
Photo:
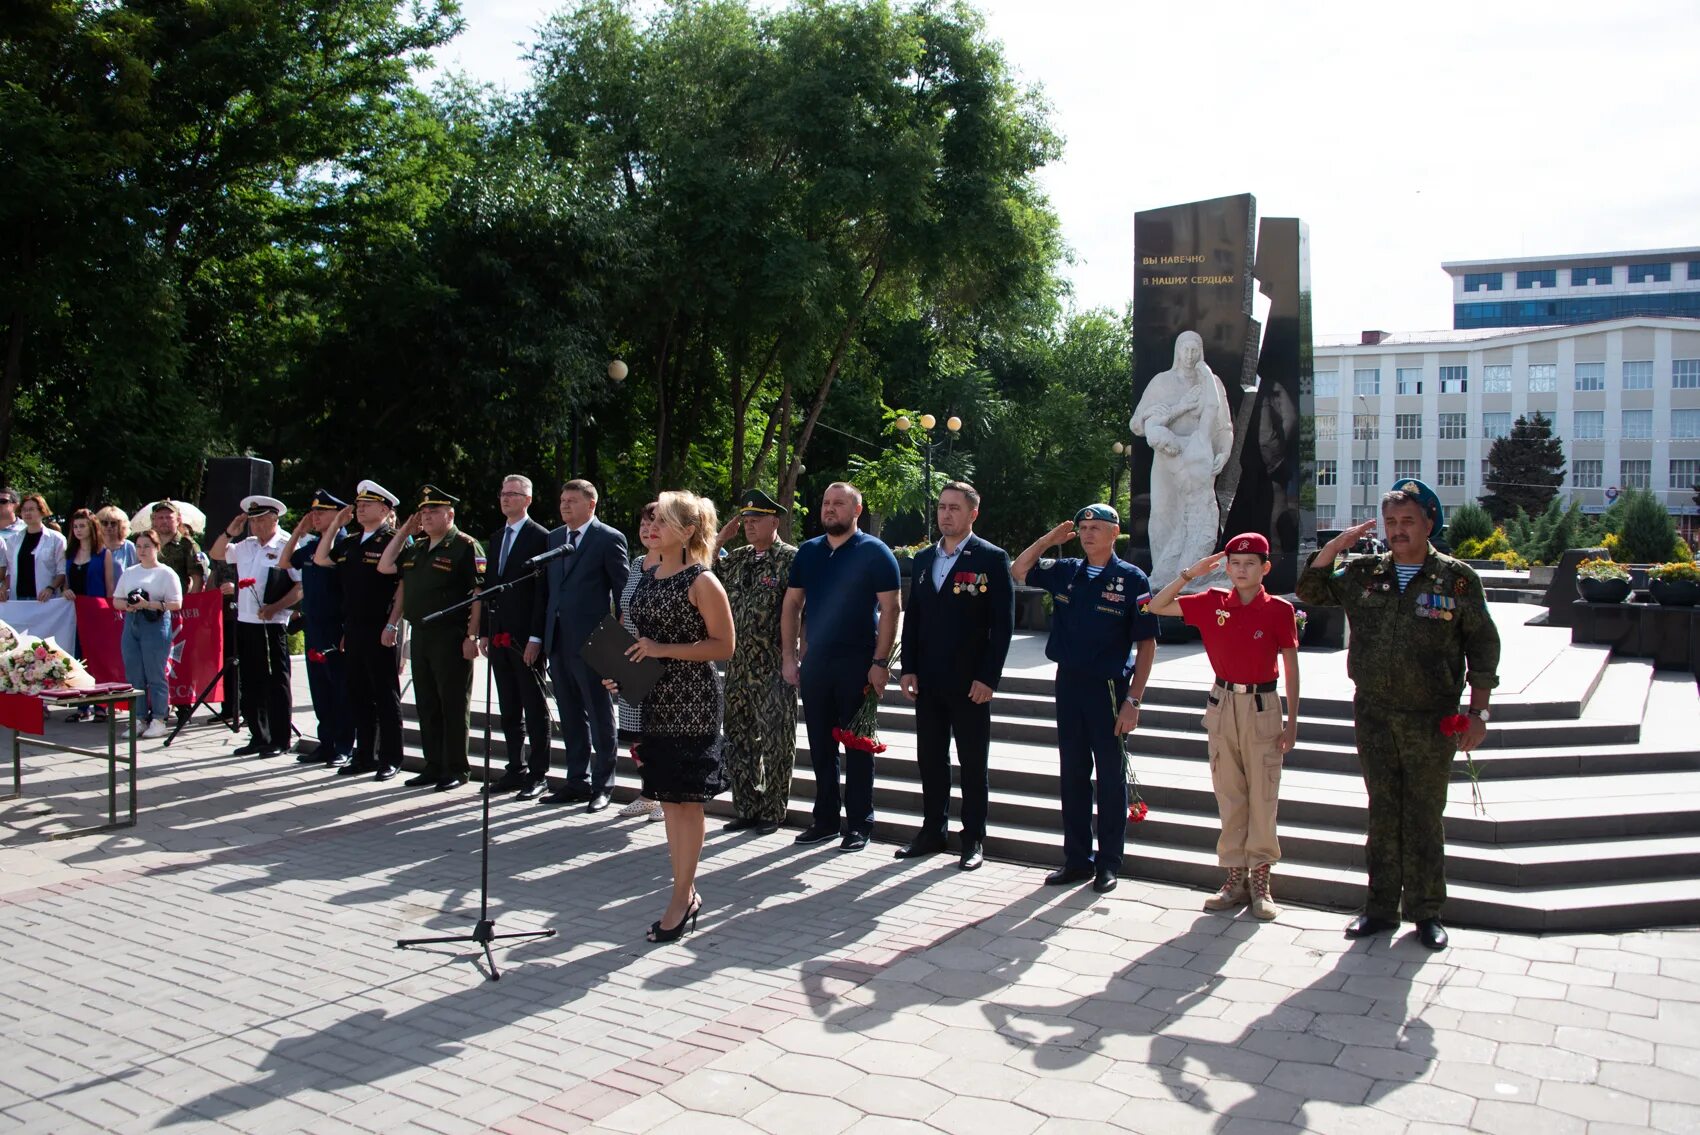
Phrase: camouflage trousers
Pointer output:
(1407, 766)
(761, 738)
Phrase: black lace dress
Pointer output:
(679, 747)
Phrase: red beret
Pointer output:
(1248, 542)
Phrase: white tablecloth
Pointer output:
(55, 619)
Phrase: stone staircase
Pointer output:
(1590, 786)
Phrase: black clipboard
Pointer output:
(605, 652)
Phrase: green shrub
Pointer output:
(1649, 531)
(1496, 543)
(1470, 521)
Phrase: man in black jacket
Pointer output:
(956, 633)
(513, 643)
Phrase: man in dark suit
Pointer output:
(956, 633)
(513, 643)
(584, 587)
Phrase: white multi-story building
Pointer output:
(1623, 395)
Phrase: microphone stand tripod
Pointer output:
(485, 932)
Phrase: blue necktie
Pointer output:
(507, 542)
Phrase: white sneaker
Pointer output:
(154, 729)
(638, 807)
(655, 812)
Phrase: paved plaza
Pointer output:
(230, 965)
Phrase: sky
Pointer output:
(1404, 137)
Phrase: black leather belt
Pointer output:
(1246, 687)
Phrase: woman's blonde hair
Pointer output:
(112, 512)
(685, 512)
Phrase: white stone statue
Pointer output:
(1183, 415)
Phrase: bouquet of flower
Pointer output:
(1299, 621)
(29, 665)
(1456, 725)
(863, 732)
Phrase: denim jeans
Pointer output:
(146, 646)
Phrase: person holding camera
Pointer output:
(148, 592)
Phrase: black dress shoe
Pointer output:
(568, 794)
(853, 841)
(919, 847)
(385, 772)
(1105, 881)
(308, 756)
(509, 781)
(812, 835)
(767, 828)
(742, 823)
(598, 802)
(1063, 876)
(356, 768)
(273, 751)
(248, 750)
(449, 782)
(972, 855)
(1365, 925)
(422, 779)
(533, 789)
(339, 760)
(1432, 933)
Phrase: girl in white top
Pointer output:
(148, 627)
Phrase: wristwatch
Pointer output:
(392, 628)
(883, 663)
(1131, 700)
(1481, 713)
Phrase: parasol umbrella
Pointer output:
(192, 516)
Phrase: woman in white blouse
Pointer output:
(36, 556)
(148, 626)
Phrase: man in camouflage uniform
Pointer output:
(761, 707)
(177, 548)
(1420, 630)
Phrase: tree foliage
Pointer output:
(1469, 521)
(1525, 469)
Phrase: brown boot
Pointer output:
(1262, 903)
(1233, 894)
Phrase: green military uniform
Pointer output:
(1411, 654)
(183, 556)
(436, 576)
(761, 706)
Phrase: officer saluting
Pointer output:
(1103, 641)
(371, 615)
(321, 616)
(443, 567)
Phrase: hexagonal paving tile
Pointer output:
(889, 1058)
(721, 1093)
(894, 1096)
(803, 1115)
(967, 1115)
(980, 1078)
(806, 1075)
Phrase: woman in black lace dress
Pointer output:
(683, 618)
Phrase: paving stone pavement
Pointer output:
(229, 965)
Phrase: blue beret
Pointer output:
(1423, 497)
(1098, 512)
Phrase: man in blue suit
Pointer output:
(956, 633)
(584, 586)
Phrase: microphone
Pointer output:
(551, 554)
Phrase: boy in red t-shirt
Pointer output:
(1244, 630)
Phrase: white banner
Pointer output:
(55, 619)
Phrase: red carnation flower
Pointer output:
(1454, 726)
(315, 656)
(1137, 811)
(503, 639)
(245, 582)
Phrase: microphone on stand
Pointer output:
(551, 554)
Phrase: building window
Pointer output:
(1327, 474)
(1543, 378)
(1496, 425)
(1450, 474)
(1366, 427)
(1367, 383)
(1635, 474)
(1454, 426)
(1684, 474)
(1408, 427)
(1366, 472)
(1407, 469)
(1590, 425)
(1484, 281)
(1581, 276)
(1496, 379)
(1638, 375)
(1590, 376)
(1410, 380)
(1327, 426)
(1486, 467)
(1637, 425)
(1454, 380)
(1325, 522)
(1685, 374)
(1538, 278)
(1363, 512)
(1649, 273)
(1586, 474)
(1327, 384)
(1694, 269)
(1684, 425)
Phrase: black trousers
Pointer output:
(938, 717)
(266, 696)
(231, 707)
(832, 692)
(374, 696)
(525, 711)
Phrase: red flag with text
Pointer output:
(197, 644)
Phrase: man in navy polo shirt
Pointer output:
(846, 583)
(1103, 641)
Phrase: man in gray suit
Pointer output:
(584, 586)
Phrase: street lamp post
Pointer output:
(927, 422)
(617, 371)
(1363, 477)
(1123, 455)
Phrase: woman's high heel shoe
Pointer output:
(660, 933)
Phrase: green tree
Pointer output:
(1469, 521)
(1525, 468)
(1648, 531)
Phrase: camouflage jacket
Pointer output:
(1413, 650)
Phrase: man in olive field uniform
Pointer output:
(444, 567)
(761, 707)
(1420, 630)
